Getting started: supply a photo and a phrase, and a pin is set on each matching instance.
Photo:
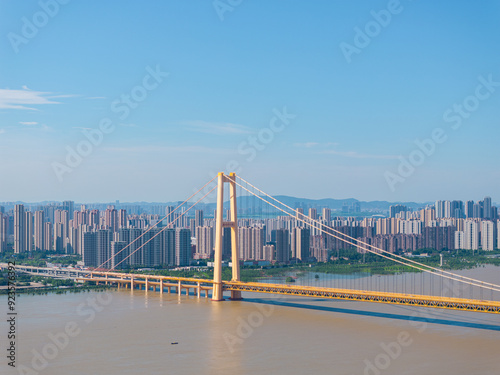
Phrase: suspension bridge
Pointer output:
(106, 273)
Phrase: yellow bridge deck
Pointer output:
(307, 291)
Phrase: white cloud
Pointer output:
(219, 128)
(33, 125)
(24, 99)
(2, 131)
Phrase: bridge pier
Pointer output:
(161, 286)
(198, 290)
(179, 290)
(236, 295)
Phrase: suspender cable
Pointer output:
(371, 246)
(185, 212)
(362, 245)
(165, 217)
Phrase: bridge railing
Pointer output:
(414, 283)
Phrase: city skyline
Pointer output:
(411, 107)
(109, 237)
(211, 201)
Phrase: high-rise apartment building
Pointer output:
(28, 230)
(498, 234)
(447, 209)
(170, 214)
(327, 214)
(459, 240)
(396, 209)
(169, 247)
(457, 209)
(313, 214)
(61, 230)
(268, 252)
(440, 208)
(118, 254)
(469, 209)
(131, 236)
(487, 213)
(471, 235)
(410, 227)
(152, 247)
(182, 247)
(122, 218)
(97, 248)
(251, 241)
(282, 245)
(94, 219)
(198, 218)
(111, 219)
(300, 243)
(204, 242)
(4, 226)
(19, 229)
(477, 210)
(488, 235)
(70, 207)
(48, 240)
(39, 222)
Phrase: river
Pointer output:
(138, 332)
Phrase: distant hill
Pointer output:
(305, 203)
(336, 204)
(251, 201)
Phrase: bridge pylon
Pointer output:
(220, 224)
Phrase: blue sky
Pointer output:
(353, 121)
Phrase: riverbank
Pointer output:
(350, 262)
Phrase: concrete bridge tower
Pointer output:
(219, 225)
